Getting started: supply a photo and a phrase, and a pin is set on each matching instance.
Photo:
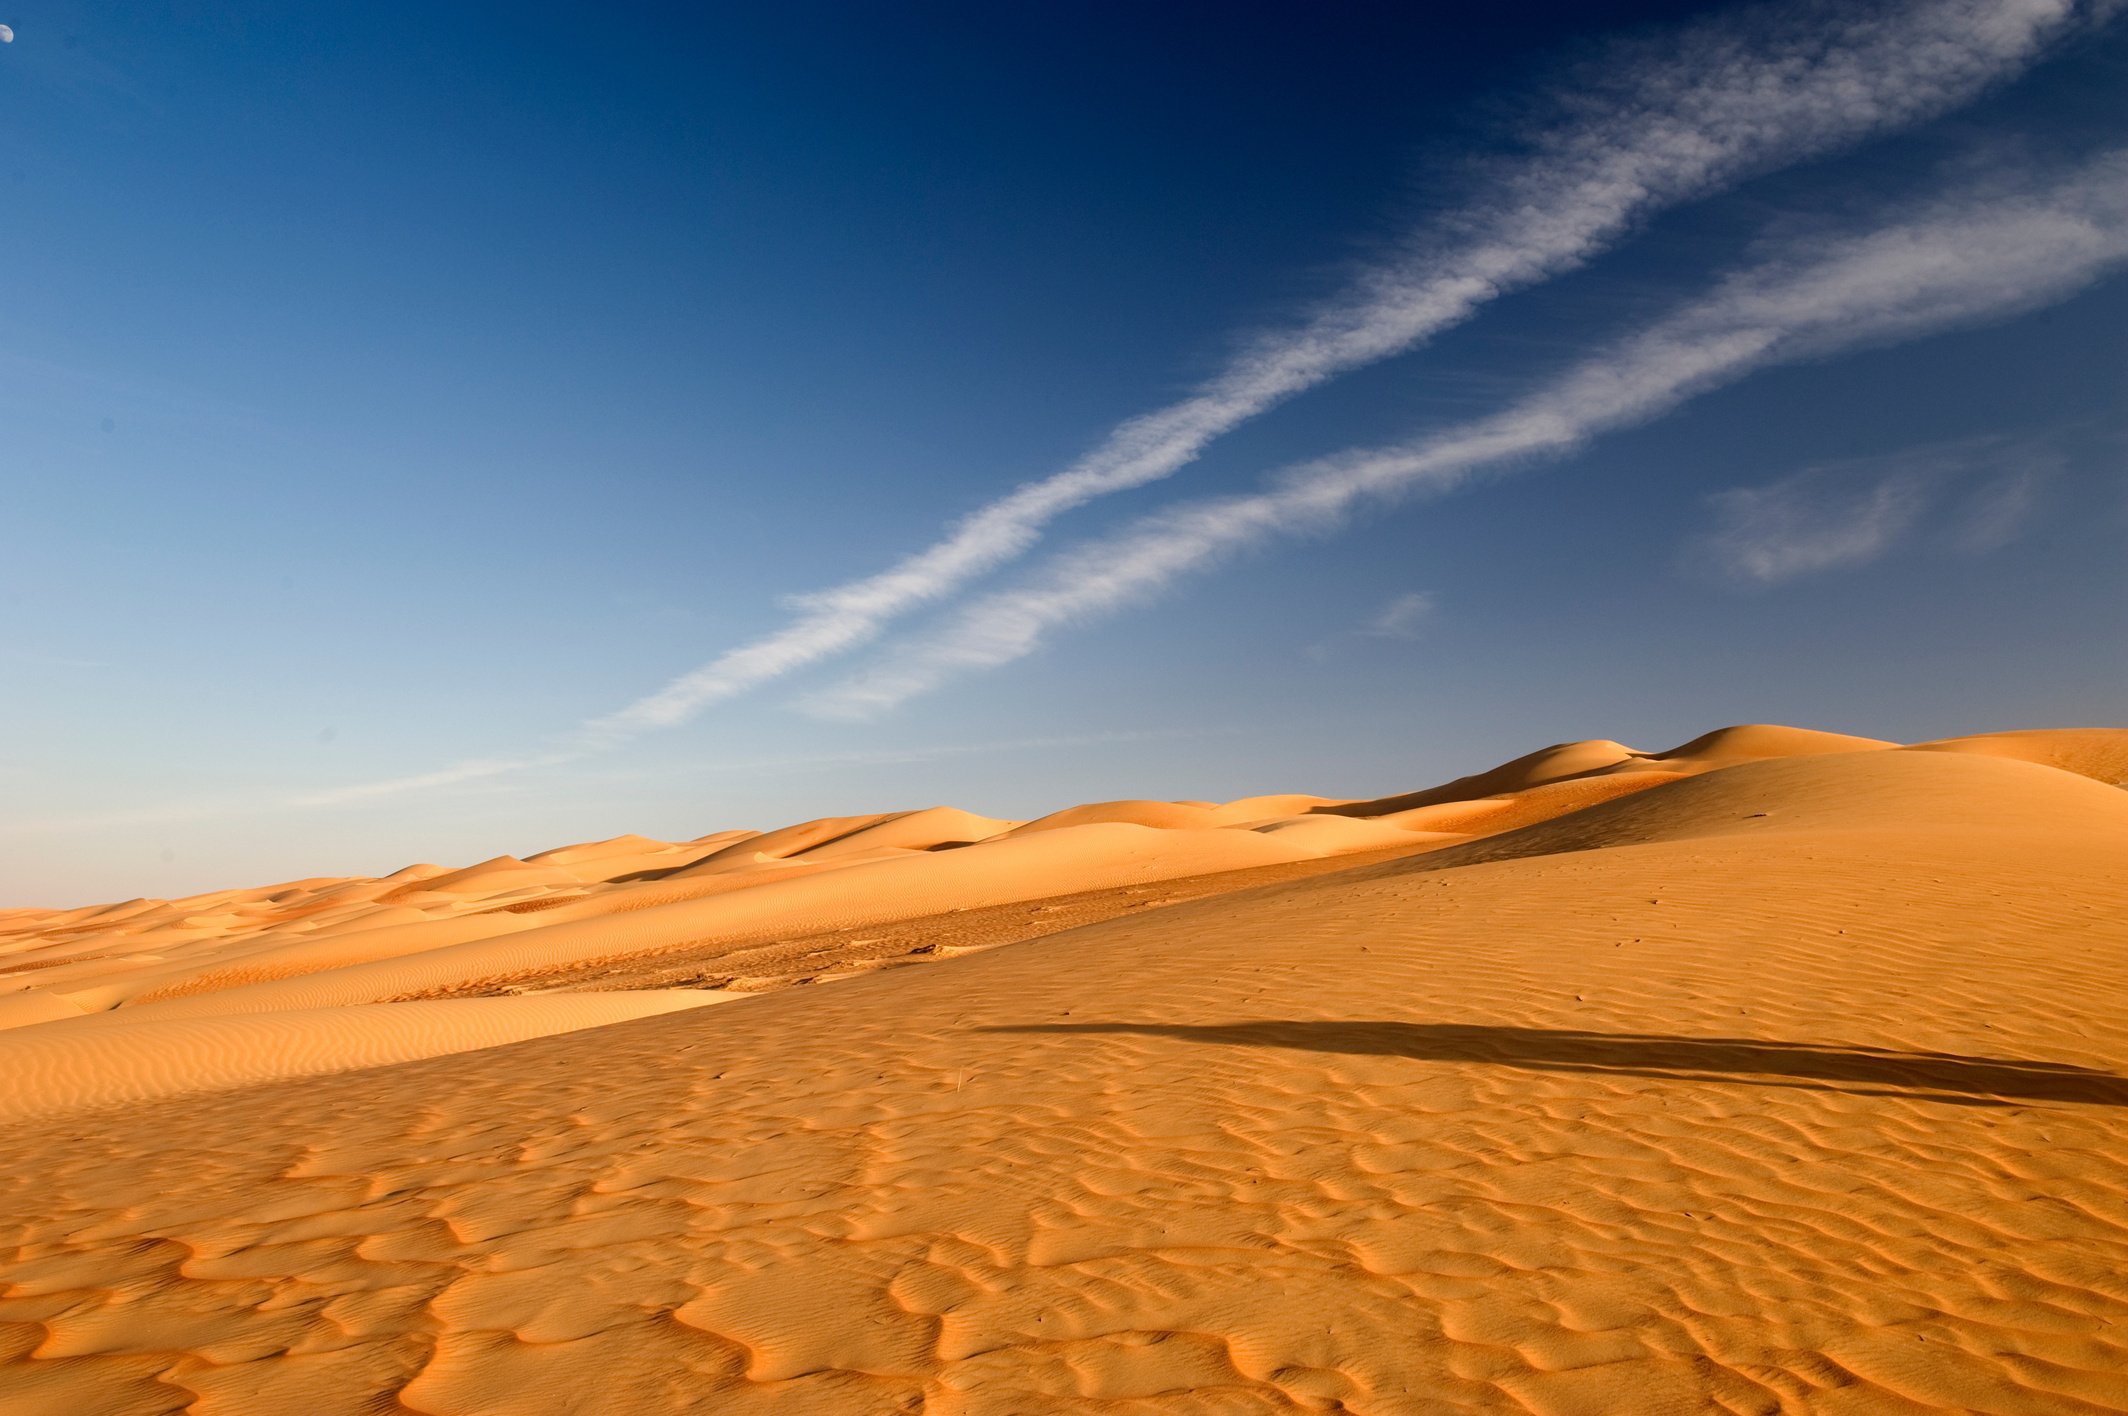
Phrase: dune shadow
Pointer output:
(1868, 1071)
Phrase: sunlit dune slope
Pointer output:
(54, 964)
(1904, 792)
(1795, 1082)
(2098, 753)
(52, 1071)
(871, 891)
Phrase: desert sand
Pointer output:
(1783, 1071)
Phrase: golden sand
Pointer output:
(1782, 1072)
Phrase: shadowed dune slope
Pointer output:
(1798, 1085)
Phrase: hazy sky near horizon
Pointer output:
(431, 433)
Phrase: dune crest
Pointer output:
(1781, 1071)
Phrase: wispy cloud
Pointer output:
(1662, 123)
(1651, 125)
(1848, 513)
(1970, 258)
(455, 775)
(1402, 617)
(1996, 512)
(1809, 523)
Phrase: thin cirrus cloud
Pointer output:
(473, 770)
(1980, 255)
(1723, 100)
(1973, 496)
(1403, 618)
(1664, 122)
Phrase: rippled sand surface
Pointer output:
(1778, 1073)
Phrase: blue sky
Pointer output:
(418, 429)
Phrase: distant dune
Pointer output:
(1782, 1071)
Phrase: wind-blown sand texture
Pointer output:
(1782, 1072)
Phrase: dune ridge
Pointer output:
(1780, 1072)
(143, 952)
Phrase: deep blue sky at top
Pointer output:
(382, 386)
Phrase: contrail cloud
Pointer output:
(1984, 255)
(1664, 121)
(1719, 102)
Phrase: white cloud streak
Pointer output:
(1995, 514)
(1969, 259)
(1838, 515)
(1667, 121)
(1801, 526)
(457, 773)
(1401, 617)
(1722, 101)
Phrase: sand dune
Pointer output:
(1580, 761)
(150, 952)
(427, 928)
(53, 1071)
(35, 1006)
(871, 891)
(2099, 754)
(1899, 791)
(1779, 1072)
